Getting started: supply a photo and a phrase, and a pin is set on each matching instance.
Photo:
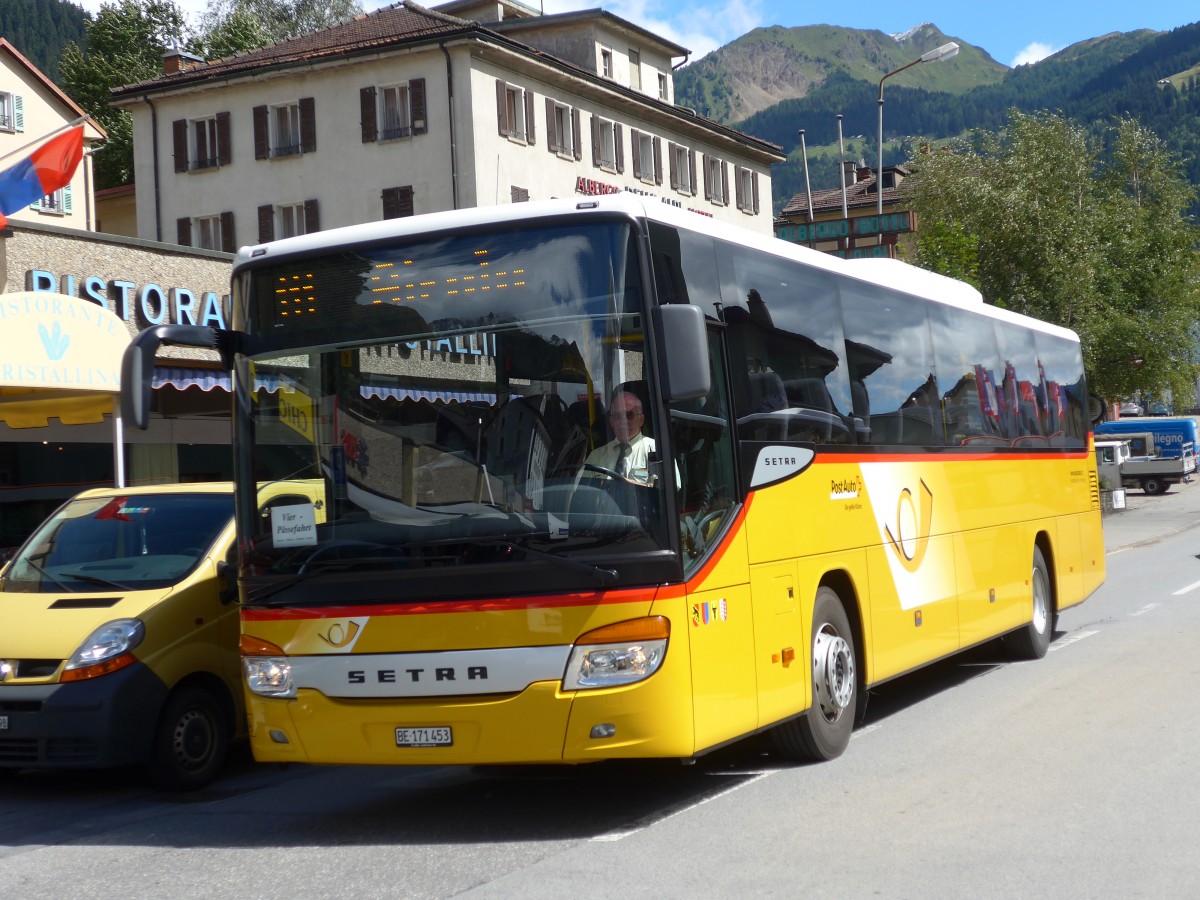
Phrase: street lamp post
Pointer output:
(946, 51)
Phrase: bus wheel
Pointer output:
(1033, 640)
(191, 741)
(824, 730)
(1154, 486)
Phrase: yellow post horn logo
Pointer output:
(913, 525)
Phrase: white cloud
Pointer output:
(1035, 52)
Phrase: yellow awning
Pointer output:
(60, 357)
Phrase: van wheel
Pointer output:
(823, 732)
(1154, 486)
(1033, 640)
(191, 741)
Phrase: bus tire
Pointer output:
(823, 731)
(191, 741)
(1154, 486)
(1033, 639)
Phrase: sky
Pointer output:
(1013, 33)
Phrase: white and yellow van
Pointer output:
(119, 636)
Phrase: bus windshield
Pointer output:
(476, 404)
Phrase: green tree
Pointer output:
(1045, 224)
(124, 45)
(275, 20)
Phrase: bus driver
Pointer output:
(628, 453)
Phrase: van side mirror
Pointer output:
(227, 575)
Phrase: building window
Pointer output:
(606, 63)
(715, 178)
(682, 162)
(514, 112)
(635, 69)
(285, 129)
(204, 145)
(562, 130)
(607, 152)
(8, 112)
(57, 203)
(746, 186)
(208, 233)
(291, 220)
(392, 112)
(647, 156)
(662, 86)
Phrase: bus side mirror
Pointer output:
(683, 350)
(137, 365)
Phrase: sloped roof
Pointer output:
(860, 194)
(37, 75)
(401, 23)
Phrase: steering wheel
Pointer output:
(608, 473)
(332, 546)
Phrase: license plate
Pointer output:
(3, 723)
(434, 736)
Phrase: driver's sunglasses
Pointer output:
(628, 414)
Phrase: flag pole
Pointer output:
(48, 134)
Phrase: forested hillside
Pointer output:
(39, 29)
(1136, 74)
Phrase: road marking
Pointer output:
(1186, 590)
(1145, 609)
(654, 820)
(859, 732)
(1068, 641)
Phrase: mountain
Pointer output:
(40, 29)
(1148, 75)
(769, 65)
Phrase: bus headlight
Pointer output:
(618, 654)
(269, 676)
(268, 669)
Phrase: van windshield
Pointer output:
(119, 542)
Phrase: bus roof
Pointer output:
(890, 273)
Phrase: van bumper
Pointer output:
(99, 723)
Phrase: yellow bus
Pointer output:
(833, 473)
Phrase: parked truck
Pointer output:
(1154, 474)
(1172, 437)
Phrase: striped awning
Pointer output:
(370, 390)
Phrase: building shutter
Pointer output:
(312, 216)
(179, 137)
(656, 143)
(552, 138)
(18, 112)
(366, 114)
(707, 187)
(406, 201)
(416, 94)
(635, 151)
(262, 135)
(501, 108)
(754, 185)
(724, 182)
(266, 223)
(183, 232)
(398, 202)
(576, 133)
(530, 131)
(519, 194)
(308, 125)
(692, 171)
(619, 147)
(68, 202)
(228, 236)
(737, 187)
(595, 141)
(671, 166)
(224, 139)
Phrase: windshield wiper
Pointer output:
(93, 579)
(601, 574)
(43, 572)
(313, 569)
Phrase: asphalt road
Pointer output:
(1072, 776)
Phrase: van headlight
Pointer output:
(619, 654)
(107, 649)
